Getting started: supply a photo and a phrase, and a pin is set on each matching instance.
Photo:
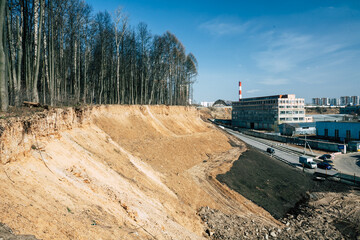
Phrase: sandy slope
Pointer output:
(115, 172)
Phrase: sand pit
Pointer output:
(110, 172)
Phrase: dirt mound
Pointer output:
(308, 209)
(322, 110)
(216, 112)
(112, 172)
(322, 216)
(267, 182)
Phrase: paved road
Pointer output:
(280, 152)
(348, 163)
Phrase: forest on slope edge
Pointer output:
(59, 53)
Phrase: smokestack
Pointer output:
(240, 95)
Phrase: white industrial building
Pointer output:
(206, 104)
(268, 112)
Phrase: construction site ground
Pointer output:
(148, 172)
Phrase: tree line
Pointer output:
(57, 52)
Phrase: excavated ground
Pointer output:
(308, 209)
(152, 172)
(116, 172)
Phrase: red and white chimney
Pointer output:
(240, 95)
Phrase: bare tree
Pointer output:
(3, 86)
(37, 45)
(58, 51)
(120, 24)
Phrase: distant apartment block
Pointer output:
(344, 100)
(324, 101)
(347, 100)
(321, 101)
(316, 101)
(334, 101)
(354, 100)
(268, 112)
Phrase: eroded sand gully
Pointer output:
(111, 172)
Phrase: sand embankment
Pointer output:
(115, 172)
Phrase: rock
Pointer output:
(209, 232)
(273, 234)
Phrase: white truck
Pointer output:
(307, 161)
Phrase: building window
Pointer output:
(326, 132)
(359, 135)
(348, 134)
(336, 133)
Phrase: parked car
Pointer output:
(324, 165)
(270, 150)
(326, 157)
(328, 161)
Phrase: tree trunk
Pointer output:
(37, 54)
(3, 85)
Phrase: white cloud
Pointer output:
(290, 51)
(275, 81)
(253, 91)
(224, 26)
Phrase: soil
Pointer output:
(308, 209)
(145, 172)
(323, 216)
(7, 234)
(322, 110)
(268, 182)
(215, 112)
(110, 172)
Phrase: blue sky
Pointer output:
(309, 48)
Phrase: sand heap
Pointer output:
(115, 172)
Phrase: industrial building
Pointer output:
(350, 110)
(338, 131)
(328, 117)
(268, 112)
(296, 129)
